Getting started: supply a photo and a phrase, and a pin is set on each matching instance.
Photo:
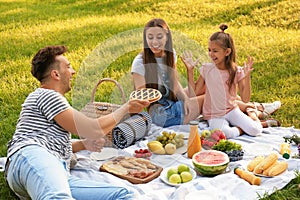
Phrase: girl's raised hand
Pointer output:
(187, 59)
(248, 66)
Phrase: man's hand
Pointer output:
(93, 145)
(136, 106)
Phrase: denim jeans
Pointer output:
(167, 113)
(34, 173)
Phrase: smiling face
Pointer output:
(156, 39)
(65, 72)
(217, 53)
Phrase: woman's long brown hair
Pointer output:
(150, 63)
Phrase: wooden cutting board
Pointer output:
(133, 179)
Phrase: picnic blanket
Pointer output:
(226, 186)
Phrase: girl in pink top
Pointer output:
(223, 79)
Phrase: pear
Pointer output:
(170, 148)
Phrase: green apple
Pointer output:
(205, 133)
(175, 179)
(171, 171)
(186, 177)
(183, 168)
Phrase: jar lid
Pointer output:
(194, 122)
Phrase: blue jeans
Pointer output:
(167, 113)
(35, 173)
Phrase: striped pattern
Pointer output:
(36, 124)
(132, 129)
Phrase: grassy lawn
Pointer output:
(268, 30)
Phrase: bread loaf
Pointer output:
(247, 176)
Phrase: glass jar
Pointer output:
(194, 142)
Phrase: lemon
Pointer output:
(186, 176)
(183, 168)
(175, 179)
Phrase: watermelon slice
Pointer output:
(210, 162)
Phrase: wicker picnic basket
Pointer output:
(95, 109)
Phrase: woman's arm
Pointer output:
(138, 81)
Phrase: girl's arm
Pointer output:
(245, 84)
(187, 59)
(194, 88)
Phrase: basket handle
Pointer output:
(110, 80)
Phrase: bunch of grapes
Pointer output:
(171, 137)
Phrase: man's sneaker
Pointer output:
(270, 108)
(273, 123)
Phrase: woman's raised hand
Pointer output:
(187, 59)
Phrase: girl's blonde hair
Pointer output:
(225, 41)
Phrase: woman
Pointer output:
(155, 67)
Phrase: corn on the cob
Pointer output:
(278, 168)
(266, 172)
(253, 163)
(268, 161)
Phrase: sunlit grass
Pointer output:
(268, 30)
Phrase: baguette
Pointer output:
(278, 168)
(266, 172)
(247, 176)
(253, 163)
(268, 161)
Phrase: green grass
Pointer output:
(268, 30)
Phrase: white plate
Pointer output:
(106, 153)
(164, 178)
(201, 194)
(258, 149)
(261, 175)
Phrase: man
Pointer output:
(40, 150)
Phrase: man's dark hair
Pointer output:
(44, 60)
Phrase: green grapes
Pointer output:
(171, 137)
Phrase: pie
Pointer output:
(132, 169)
(149, 94)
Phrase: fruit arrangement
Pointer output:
(179, 174)
(157, 147)
(167, 143)
(210, 162)
(142, 153)
(232, 149)
(171, 137)
(267, 166)
(210, 138)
